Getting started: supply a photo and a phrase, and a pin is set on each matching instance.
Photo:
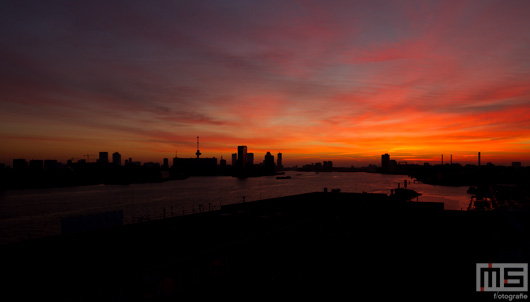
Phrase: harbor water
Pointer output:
(36, 213)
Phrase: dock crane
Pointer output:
(88, 157)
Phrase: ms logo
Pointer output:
(502, 277)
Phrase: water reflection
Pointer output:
(36, 213)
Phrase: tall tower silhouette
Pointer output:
(198, 153)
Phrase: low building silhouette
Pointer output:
(36, 164)
(20, 163)
(103, 158)
(327, 165)
(50, 164)
(194, 166)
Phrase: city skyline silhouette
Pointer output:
(344, 82)
(463, 159)
(160, 150)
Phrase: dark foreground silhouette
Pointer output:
(337, 244)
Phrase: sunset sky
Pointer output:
(316, 80)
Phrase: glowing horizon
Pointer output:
(316, 80)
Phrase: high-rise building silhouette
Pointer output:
(234, 159)
(250, 160)
(242, 161)
(116, 159)
(279, 160)
(385, 162)
(392, 165)
(268, 163)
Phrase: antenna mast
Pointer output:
(198, 153)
